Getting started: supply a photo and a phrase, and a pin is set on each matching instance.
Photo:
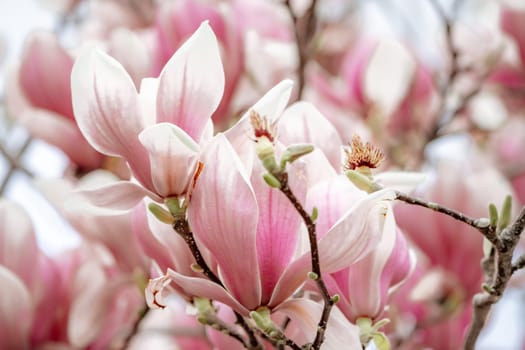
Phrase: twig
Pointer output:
(304, 30)
(316, 267)
(142, 314)
(481, 225)
(181, 226)
(497, 265)
(483, 301)
(14, 163)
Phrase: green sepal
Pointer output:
(262, 319)
(361, 181)
(505, 213)
(381, 341)
(315, 214)
(271, 180)
(160, 213)
(493, 215)
(294, 152)
(174, 206)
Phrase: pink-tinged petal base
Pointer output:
(223, 215)
(173, 158)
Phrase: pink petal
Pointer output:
(45, 74)
(370, 278)
(305, 315)
(192, 83)
(303, 123)
(223, 215)
(62, 133)
(119, 196)
(355, 234)
(107, 110)
(173, 158)
(15, 311)
(18, 247)
(271, 105)
(203, 287)
(277, 229)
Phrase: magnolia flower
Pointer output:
(256, 263)
(39, 97)
(178, 20)
(157, 131)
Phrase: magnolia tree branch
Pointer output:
(14, 163)
(134, 330)
(497, 265)
(316, 267)
(304, 30)
(181, 226)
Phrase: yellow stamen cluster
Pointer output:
(262, 126)
(359, 154)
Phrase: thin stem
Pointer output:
(181, 226)
(14, 163)
(304, 30)
(497, 266)
(141, 316)
(314, 252)
(487, 230)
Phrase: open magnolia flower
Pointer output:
(159, 129)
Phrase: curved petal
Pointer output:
(205, 288)
(303, 123)
(107, 110)
(277, 228)
(271, 105)
(305, 315)
(192, 83)
(18, 248)
(45, 74)
(15, 312)
(119, 196)
(223, 215)
(173, 158)
(355, 234)
(62, 133)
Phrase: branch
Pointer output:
(497, 265)
(316, 268)
(14, 163)
(181, 226)
(304, 30)
(479, 224)
(482, 303)
(134, 330)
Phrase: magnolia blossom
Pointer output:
(158, 130)
(39, 97)
(364, 285)
(256, 263)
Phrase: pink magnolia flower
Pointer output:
(68, 300)
(177, 21)
(158, 130)
(363, 286)
(256, 263)
(39, 96)
(402, 97)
